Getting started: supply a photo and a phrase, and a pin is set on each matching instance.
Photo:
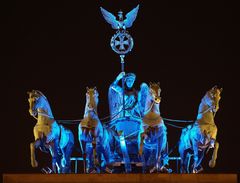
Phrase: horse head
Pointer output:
(36, 100)
(155, 92)
(213, 97)
(39, 105)
(91, 99)
(151, 115)
(89, 125)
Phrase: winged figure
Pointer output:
(120, 23)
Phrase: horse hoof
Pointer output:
(34, 163)
(92, 171)
(165, 169)
(153, 170)
(197, 169)
(194, 171)
(47, 170)
(183, 171)
(108, 170)
(212, 163)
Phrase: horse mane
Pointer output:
(210, 94)
(154, 85)
(40, 93)
(37, 93)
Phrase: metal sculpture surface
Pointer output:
(125, 119)
(130, 97)
(49, 135)
(196, 138)
(120, 23)
(121, 42)
(153, 142)
(93, 137)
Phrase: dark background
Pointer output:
(60, 48)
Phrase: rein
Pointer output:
(44, 114)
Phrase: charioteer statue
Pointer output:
(130, 94)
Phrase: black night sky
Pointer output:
(61, 47)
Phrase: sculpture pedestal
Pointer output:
(126, 178)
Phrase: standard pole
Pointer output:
(123, 88)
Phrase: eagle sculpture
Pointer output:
(120, 23)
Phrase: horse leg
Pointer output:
(51, 148)
(56, 158)
(145, 159)
(67, 152)
(142, 137)
(83, 149)
(96, 155)
(200, 158)
(107, 156)
(153, 158)
(187, 162)
(38, 135)
(89, 158)
(212, 162)
(181, 153)
(195, 155)
(33, 146)
(34, 162)
(164, 154)
(160, 149)
(100, 161)
(157, 157)
(141, 150)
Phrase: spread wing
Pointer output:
(110, 18)
(115, 101)
(130, 17)
(142, 97)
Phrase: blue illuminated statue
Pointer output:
(125, 118)
(122, 41)
(153, 140)
(196, 138)
(115, 97)
(123, 103)
(94, 138)
(49, 135)
(120, 23)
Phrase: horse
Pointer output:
(49, 135)
(201, 135)
(93, 137)
(153, 139)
